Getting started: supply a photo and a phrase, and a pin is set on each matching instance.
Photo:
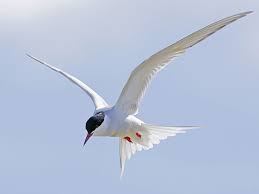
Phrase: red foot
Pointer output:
(138, 135)
(128, 139)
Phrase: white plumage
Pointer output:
(120, 120)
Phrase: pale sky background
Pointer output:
(215, 85)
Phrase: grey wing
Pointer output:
(98, 101)
(141, 77)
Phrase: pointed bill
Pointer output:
(87, 137)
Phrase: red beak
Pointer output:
(88, 137)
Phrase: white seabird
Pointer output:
(120, 120)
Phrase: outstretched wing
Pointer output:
(98, 101)
(141, 77)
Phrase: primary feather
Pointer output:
(140, 78)
(98, 101)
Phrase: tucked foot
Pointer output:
(138, 135)
(128, 139)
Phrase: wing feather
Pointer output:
(141, 77)
(98, 101)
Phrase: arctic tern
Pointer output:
(120, 120)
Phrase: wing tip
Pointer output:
(28, 55)
(243, 14)
(34, 58)
(247, 12)
(44, 63)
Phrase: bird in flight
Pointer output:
(120, 120)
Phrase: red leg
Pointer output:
(128, 139)
(138, 134)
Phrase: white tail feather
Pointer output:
(150, 135)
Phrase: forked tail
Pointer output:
(145, 138)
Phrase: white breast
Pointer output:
(117, 125)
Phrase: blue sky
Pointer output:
(214, 85)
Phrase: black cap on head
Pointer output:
(94, 122)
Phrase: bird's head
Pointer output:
(92, 124)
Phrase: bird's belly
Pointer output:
(112, 131)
